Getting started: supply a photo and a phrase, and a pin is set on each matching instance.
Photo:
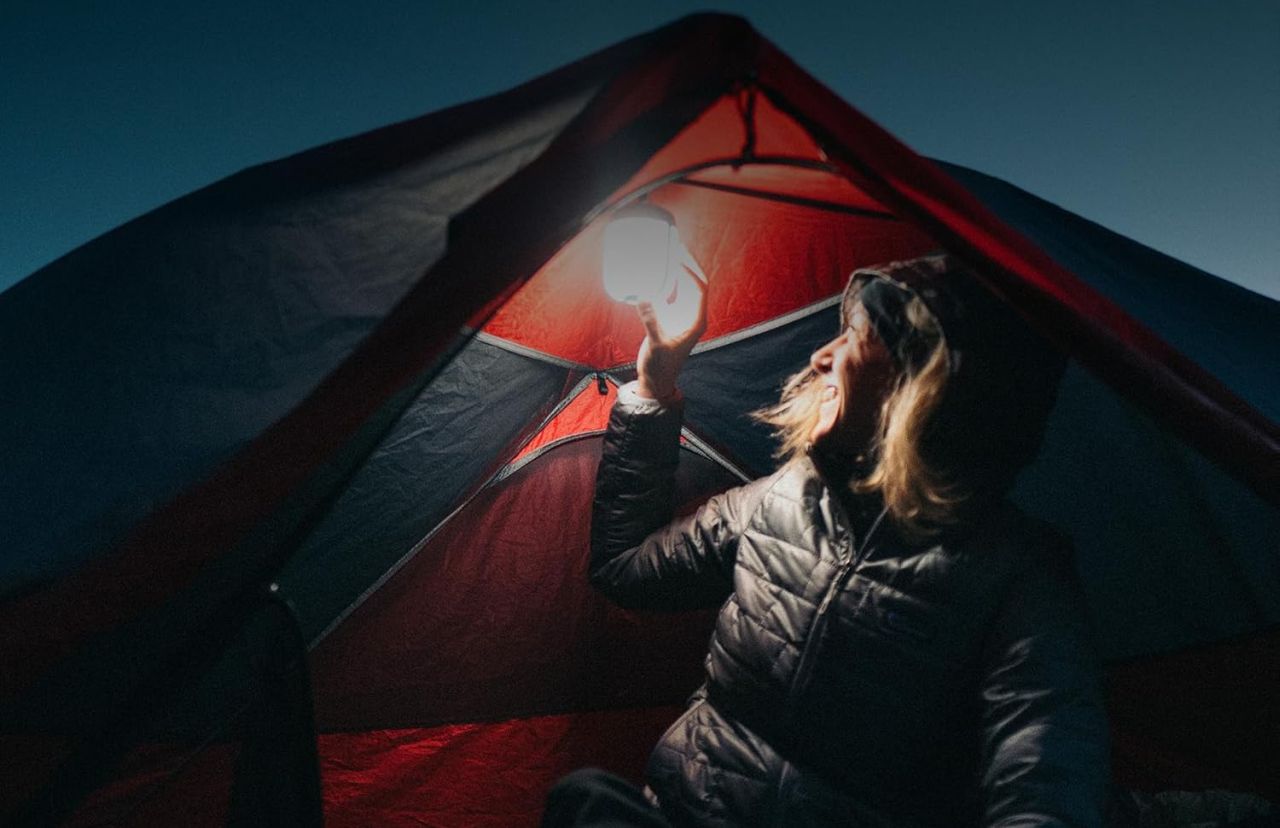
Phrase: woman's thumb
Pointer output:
(650, 321)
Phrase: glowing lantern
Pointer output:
(642, 254)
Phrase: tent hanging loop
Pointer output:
(745, 95)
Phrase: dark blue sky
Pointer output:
(1159, 120)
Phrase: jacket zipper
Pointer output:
(848, 562)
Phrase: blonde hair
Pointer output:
(922, 498)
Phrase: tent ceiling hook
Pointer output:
(745, 94)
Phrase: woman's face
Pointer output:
(855, 372)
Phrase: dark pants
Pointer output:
(596, 798)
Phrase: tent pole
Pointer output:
(679, 176)
(799, 201)
(277, 778)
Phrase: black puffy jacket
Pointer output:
(852, 678)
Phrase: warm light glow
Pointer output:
(678, 310)
(641, 254)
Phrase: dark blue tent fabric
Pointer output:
(724, 384)
(1227, 329)
(1172, 551)
(136, 364)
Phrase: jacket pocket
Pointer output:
(677, 780)
(907, 622)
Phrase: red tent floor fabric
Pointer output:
(479, 775)
(164, 785)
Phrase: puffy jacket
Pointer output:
(853, 678)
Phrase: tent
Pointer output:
(348, 404)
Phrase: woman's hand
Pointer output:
(662, 355)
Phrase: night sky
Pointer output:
(1158, 120)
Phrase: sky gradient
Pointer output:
(1159, 121)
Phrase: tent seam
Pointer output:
(531, 353)
(417, 547)
(746, 333)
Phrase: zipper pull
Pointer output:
(846, 548)
(826, 601)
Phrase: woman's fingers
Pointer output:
(678, 321)
(680, 316)
(649, 318)
(684, 313)
(690, 263)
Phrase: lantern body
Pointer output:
(641, 252)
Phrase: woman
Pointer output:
(896, 643)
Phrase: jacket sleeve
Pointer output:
(1045, 736)
(639, 557)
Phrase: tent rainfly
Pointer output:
(348, 403)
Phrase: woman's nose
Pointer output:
(820, 360)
